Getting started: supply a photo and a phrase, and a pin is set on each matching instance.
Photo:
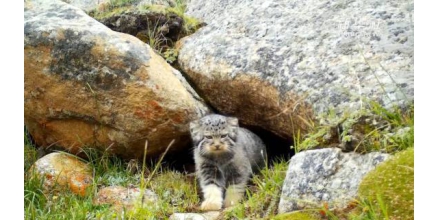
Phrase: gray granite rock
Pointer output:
(259, 60)
(86, 85)
(86, 5)
(323, 176)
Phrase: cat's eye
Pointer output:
(223, 136)
(208, 137)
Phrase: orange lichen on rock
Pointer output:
(62, 172)
(79, 183)
(86, 85)
(122, 102)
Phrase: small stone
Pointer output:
(121, 197)
(195, 216)
(63, 171)
(316, 177)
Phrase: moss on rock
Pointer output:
(390, 187)
(301, 215)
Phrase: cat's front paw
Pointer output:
(213, 198)
(211, 205)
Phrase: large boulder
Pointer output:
(276, 64)
(326, 176)
(88, 86)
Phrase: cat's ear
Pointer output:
(233, 127)
(194, 129)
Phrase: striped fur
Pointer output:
(225, 156)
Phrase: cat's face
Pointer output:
(214, 134)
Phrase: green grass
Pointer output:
(190, 24)
(119, 3)
(178, 7)
(393, 131)
(171, 55)
(263, 196)
(53, 204)
(176, 191)
(30, 156)
(152, 35)
(385, 193)
(300, 215)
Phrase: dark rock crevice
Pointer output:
(277, 149)
(167, 28)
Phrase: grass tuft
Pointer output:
(176, 191)
(159, 18)
(371, 129)
(263, 196)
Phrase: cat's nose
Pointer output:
(217, 147)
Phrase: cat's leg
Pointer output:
(238, 175)
(212, 184)
(234, 194)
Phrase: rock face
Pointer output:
(274, 63)
(85, 5)
(323, 176)
(86, 85)
(120, 197)
(60, 171)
